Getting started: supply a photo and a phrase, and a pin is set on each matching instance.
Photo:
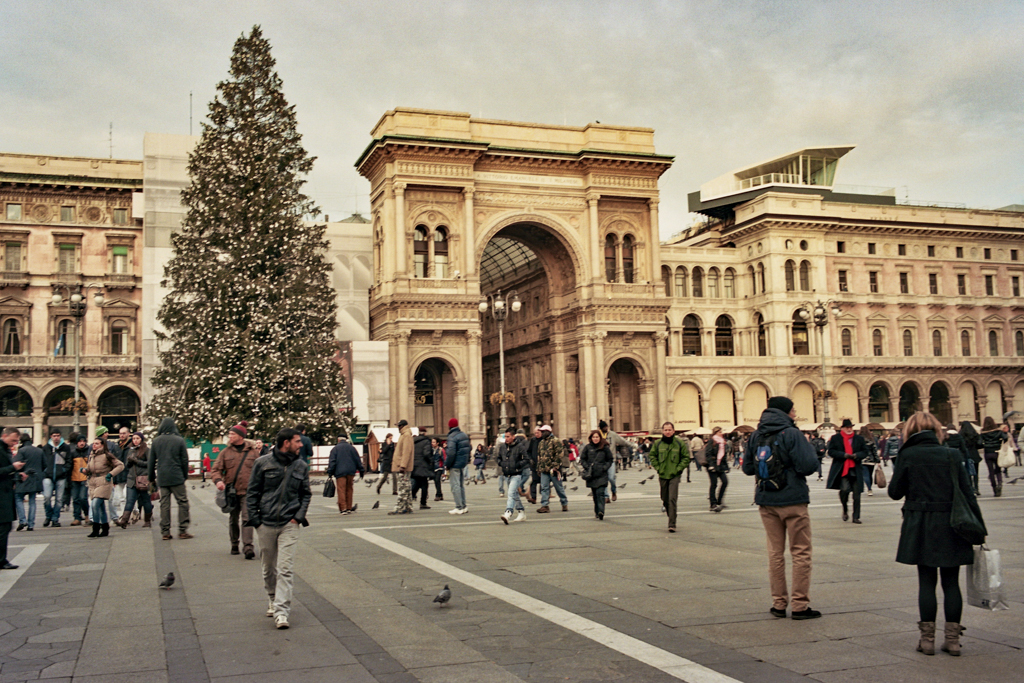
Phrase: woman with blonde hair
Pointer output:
(926, 474)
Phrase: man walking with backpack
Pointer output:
(780, 458)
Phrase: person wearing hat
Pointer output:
(549, 462)
(457, 451)
(401, 467)
(231, 471)
(783, 505)
(847, 450)
(343, 465)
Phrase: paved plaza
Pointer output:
(560, 597)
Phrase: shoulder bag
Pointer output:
(962, 518)
(1006, 459)
(227, 499)
(880, 481)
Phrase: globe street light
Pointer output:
(77, 306)
(499, 306)
(819, 312)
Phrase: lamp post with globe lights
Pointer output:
(77, 306)
(499, 305)
(819, 313)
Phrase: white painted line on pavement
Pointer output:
(672, 664)
(24, 560)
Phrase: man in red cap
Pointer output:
(457, 453)
(231, 472)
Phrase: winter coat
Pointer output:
(136, 463)
(226, 465)
(479, 458)
(514, 459)
(457, 449)
(872, 452)
(306, 452)
(711, 460)
(956, 442)
(168, 457)
(549, 454)
(599, 460)
(56, 467)
(8, 477)
(120, 451)
(924, 476)
(531, 452)
(423, 458)
(820, 447)
(669, 459)
(79, 461)
(32, 456)
(837, 451)
(992, 440)
(344, 461)
(270, 499)
(387, 452)
(403, 456)
(100, 465)
(892, 447)
(797, 455)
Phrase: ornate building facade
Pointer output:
(68, 228)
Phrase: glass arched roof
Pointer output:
(504, 257)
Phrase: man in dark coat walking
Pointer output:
(343, 465)
(847, 451)
(168, 458)
(31, 484)
(10, 472)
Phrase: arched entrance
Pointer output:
(878, 403)
(938, 403)
(624, 414)
(119, 407)
(434, 396)
(910, 400)
(15, 407)
(59, 409)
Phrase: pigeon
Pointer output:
(167, 582)
(444, 596)
(574, 488)
(650, 477)
(643, 481)
(622, 486)
(376, 505)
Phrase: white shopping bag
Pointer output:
(985, 580)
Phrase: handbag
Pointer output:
(962, 518)
(227, 500)
(1006, 459)
(880, 481)
(329, 488)
(142, 481)
(985, 580)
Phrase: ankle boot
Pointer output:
(95, 531)
(999, 490)
(148, 521)
(927, 642)
(104, 530)
(952, 644)
(123, 521)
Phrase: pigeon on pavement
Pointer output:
(574, 488)
(444, 596)
(167, 582)
(650, 477)
(622, 486)
(376, 505)
(643, 481)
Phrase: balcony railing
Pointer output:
(109, 362)
(66, 278)
(14, 278)
(119, 281)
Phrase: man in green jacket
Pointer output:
(168, 457)
(669, 457)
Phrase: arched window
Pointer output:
(420, 251)
(713, 283)
(729, 284)
(762, 335)
(965, 343)
(666, 279)
(801, 345)
(627, 258)
(723, 336)
(680, 281)
(753, 280)
(698, 282)
(790, 276)
(668, 337)
(691, 335)
(609, 258)
(440, 252)
(847, 341)
(993, 343)
(1019, 338)
(805, 276)
(118, 338)
(11, 338)
(760, 277)
(908, 343)
(936, 343)
(876, 341)
(67, 338)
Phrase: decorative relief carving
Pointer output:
(525, 200)
(428, 196)
(40, 213)
(473, 336)
(435, 337)
(443, 170)
(93, 214)
(632, 182)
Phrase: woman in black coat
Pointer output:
(926, 472)
(387, 452)
(422, 468)
(844, 474)
(991, 440)
(595, 460)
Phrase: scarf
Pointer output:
(849, 463)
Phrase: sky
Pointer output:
(930, 92)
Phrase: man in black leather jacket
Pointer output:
(278, 497)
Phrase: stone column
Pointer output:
(600, 378)
(401, 243)
(92, 418)
(647, 405)
(705, 404)
(461, 405)
(560, 404)
(474, 362)
(620, 273)
(894, 407)
(864, 413)
(595, 238)
(954, 407)
(469, 267)
(390, 237)
(38, 429)
(740, 418)
(982, 408)
(660, 413)
(655, 245)
(586, 344)
(404, 402)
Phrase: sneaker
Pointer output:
(77, 522)
(424, 507)
(870, 493)
(454, 511)
(55, 524)
(281, 622)
(780, 613)
(671, 529)
(544, 508)
(270, 609)
(520, 517)
(463, 511)
(507, 516)
(185, 535)
(46, 523)
(805, 614)
(166, 537)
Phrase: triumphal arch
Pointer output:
(564, 217)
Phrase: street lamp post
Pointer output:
(819, 312)
(77, 306)
(499, 306)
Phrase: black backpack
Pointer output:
(770, 471)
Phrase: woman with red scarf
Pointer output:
(847, 451)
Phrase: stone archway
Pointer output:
(434, 398)
(624, 404)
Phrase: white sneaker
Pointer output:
(270, 609)
(870, 493)
(282, 622)
(505, 517)
(453, 511)
(462, 511)
(520, 517)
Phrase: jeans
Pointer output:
(165, 508)
(995, 474)
(56, 493)
(80, 499)
(132, 495)
(514, 502)
(546, 480)
(457, 480)
(277, 553)
(716, 477)
(99, 511)
(438, 475)
(611, 477)
(19, 500)
(479, 474)
(501, 483)
(869, 475)
(794, 520)
(116, 503)
(599, 494)
(669, 498)
(384, 480)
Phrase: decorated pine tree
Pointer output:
(249, 321)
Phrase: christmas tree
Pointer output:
(249, 322)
